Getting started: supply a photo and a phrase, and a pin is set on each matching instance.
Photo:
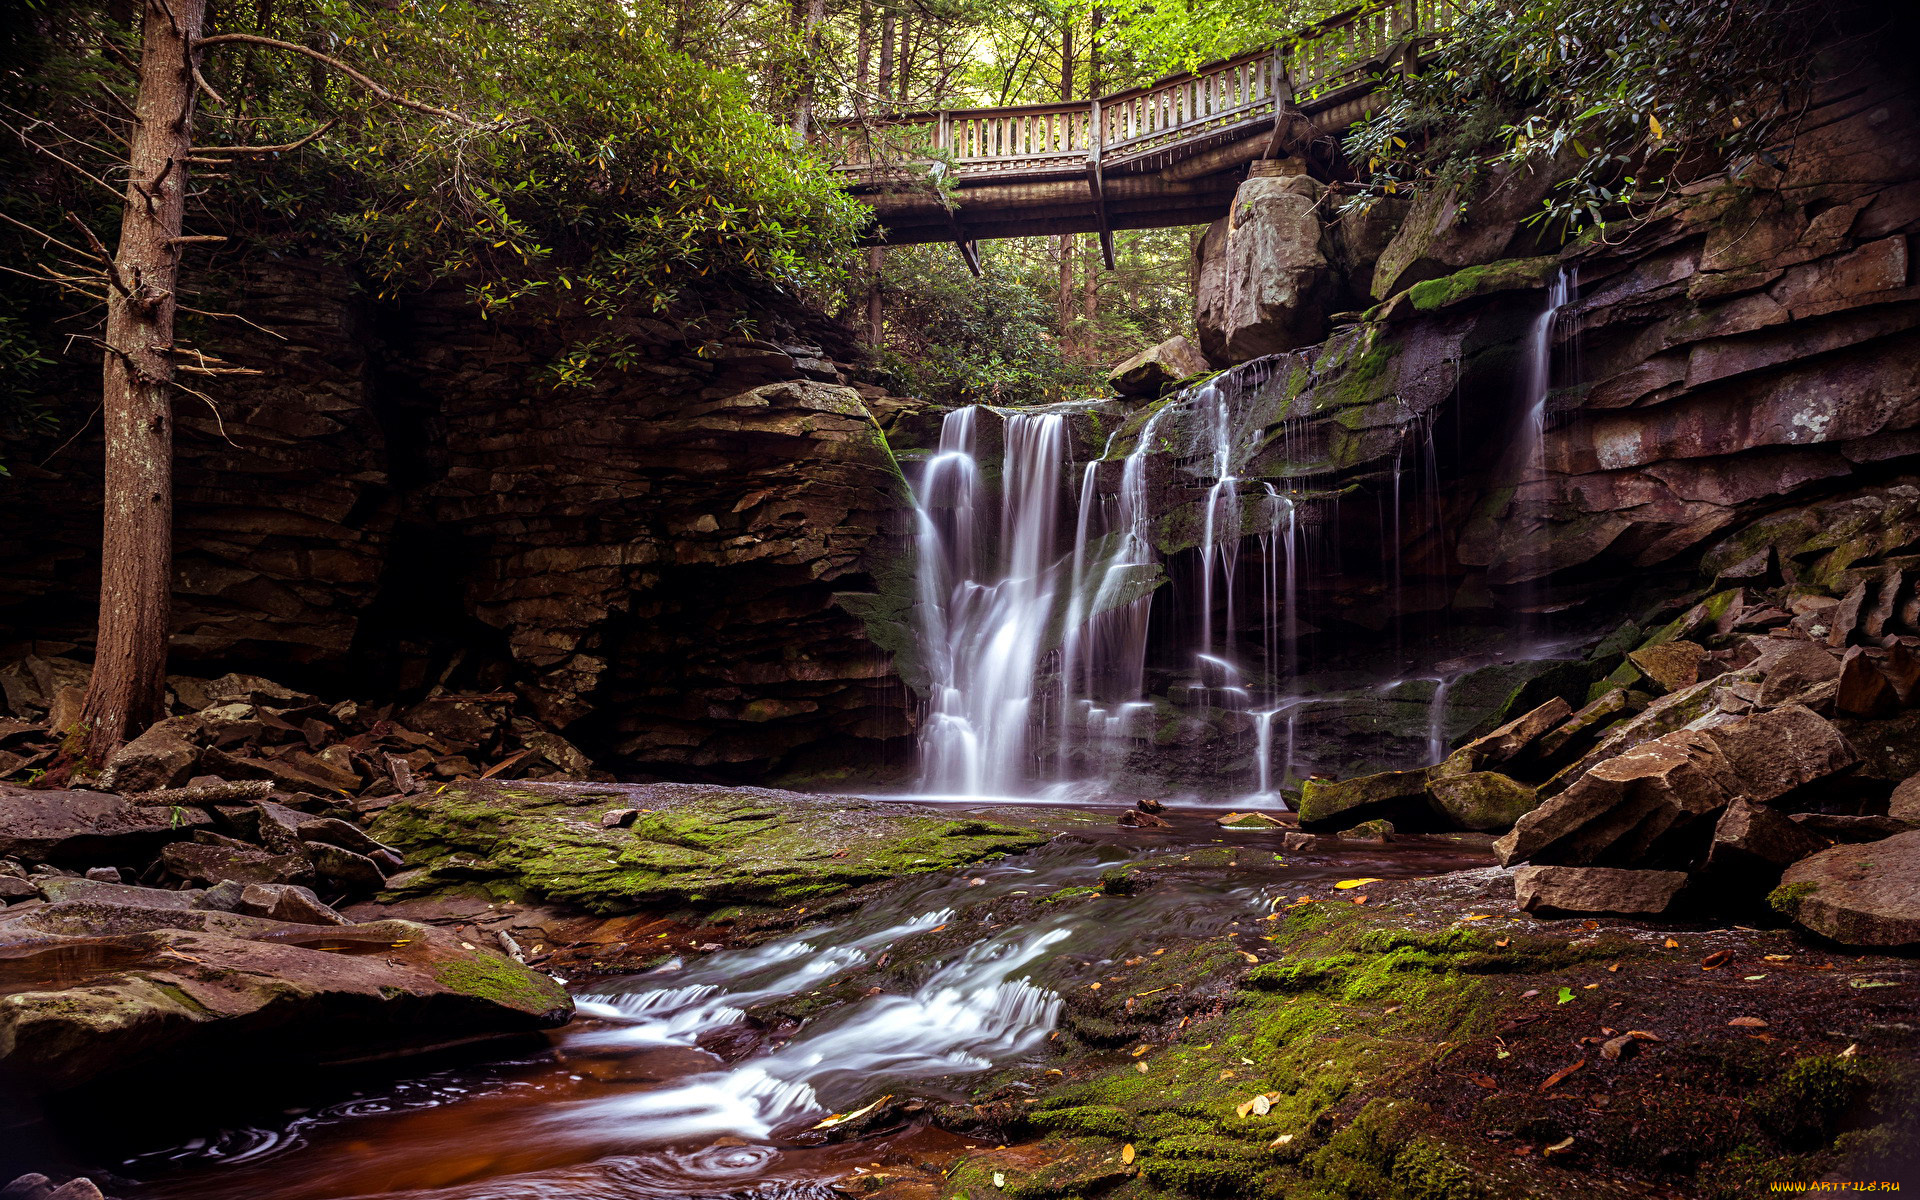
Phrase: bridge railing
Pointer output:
(1211, 99)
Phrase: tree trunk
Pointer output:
(863, 60)
(886, 61)
(1090, 301)
(810, 42)
(876, 257)
(136, 557)
(1063, 300)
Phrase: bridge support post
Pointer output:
(1096, 183)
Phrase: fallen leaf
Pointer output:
(999, 1179)
(1477, 917)
(1617, 1048)
(1566, 996)
(1564, 1144)
(1613, 967)
(1360, 899)
(1872, 983)
(1852, 1049)
(1282, 1140)
(1503, 942)
(1485, 1081)
(1672, 945)
(1142, 1050)
(843, 1118)
(1346, 884)
(1252, 958)
(1748, 1022)
(1641, 1035)
(1753, 978)
(1562, 1073)
(1717, 959)
(1259, 1106)
(1140, 1067)
(1530, 993)
(1779, 958)
(1093, 987)
(1589, 987)
(1225, 1075)
(1126, 1154)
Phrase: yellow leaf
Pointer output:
(1126, 1153)
(1477, 917)
(1653, 123)
(1140, 1067)
(1354, 883)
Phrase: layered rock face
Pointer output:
(406, 503)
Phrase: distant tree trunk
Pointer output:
(905, 71)
(136, 557)
(886, 61)
(876, 258)
(863, 60)
(1090, 302)
(816, 12)
(1063, 300)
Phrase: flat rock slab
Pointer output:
(689, 843)
(1550, 890)
(90, 827)
(91, 991)
(1858, 895)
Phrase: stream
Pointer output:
(711, 1077)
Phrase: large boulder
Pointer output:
(162, 757)
(1772, 753)
(89, 827)
(1155, 370)
(1484, 801)
(1327, 804)
(1553, 891)
(1904, 805)
(1269, 290)
(1857, 895)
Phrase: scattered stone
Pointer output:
(1857, 895)
(1752, 844)
(13, 888)
(287, 902)
(344, 869)
(1249, 820)
(1904, 805)
(1508, 742)
(1133, 818)
(1798, 668)
(1672, 665)
(619, 818)
(1375, 830)
(1149, 805)
(1772, 753)
(1298, 841)
(1844, 617)
(1863, 691)
(1577, 731)
(104, 874)
(161, 757)
(201, 863)
(1845, 827)
(1547, 890)
(59, 889)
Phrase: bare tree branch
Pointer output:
(380, 92)
(269, 149)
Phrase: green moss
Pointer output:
(1786, 898)
(699, 845)
(1506, 275)
(1806, 1105)
(501, 980)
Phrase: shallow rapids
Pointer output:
(722, 1076)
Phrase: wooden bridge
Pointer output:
(1169, 153)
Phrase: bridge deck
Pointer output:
(1153, 156)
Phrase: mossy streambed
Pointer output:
(1145, 1013)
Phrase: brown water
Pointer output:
(679, 1083)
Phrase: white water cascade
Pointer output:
(984, 602)
(1530, 477)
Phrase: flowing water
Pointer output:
(695, 1079)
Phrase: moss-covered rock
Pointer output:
(1486, 801)
(1338, 804)
(689, 844)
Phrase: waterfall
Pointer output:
(984, 609)
(1537, 381)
